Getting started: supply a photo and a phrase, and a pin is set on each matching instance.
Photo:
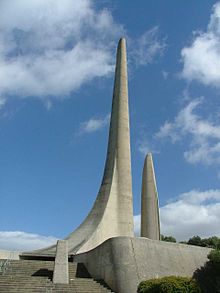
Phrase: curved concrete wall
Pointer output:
(123, 262)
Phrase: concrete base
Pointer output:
(123, 262)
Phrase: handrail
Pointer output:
(1, 265)
(4, 264)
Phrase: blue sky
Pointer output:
(56, 78)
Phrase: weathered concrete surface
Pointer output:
(150, 221)
(6, 254)
(61, 266)
(123, 262)
(112, 213)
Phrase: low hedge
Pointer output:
(170, 284)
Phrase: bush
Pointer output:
(212, 242)
(208, 277)
(167, 238)
(214, 258)
(196, 240)
(170, 284)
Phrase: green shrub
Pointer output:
(208, 276)
(167, 238)
(212, 242)
(214, 258)
(170, 284)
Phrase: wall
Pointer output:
(4, 254)
(123, 262)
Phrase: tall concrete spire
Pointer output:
(112, 212)
(150, 222)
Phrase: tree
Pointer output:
(212, 242)
(208, 277)
(168, 238)
(214, 258)
(195, 240)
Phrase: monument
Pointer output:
(150, 220)
(105, 241)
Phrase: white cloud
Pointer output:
(137, 225)
(201, 60)
(204, 134)
(144, 147)
(168, 130)
(2, 102)
(93, 124)
(50, 48)
(22, 241)
(165, 74)
(192, 213)
(148, 46)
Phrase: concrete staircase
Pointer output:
(29, 276)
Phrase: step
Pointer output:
(19, 277)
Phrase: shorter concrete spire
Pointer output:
(150, 221)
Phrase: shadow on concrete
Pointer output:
(81, 271)
(44, 273)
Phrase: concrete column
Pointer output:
(150, 222)
(61, 266)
